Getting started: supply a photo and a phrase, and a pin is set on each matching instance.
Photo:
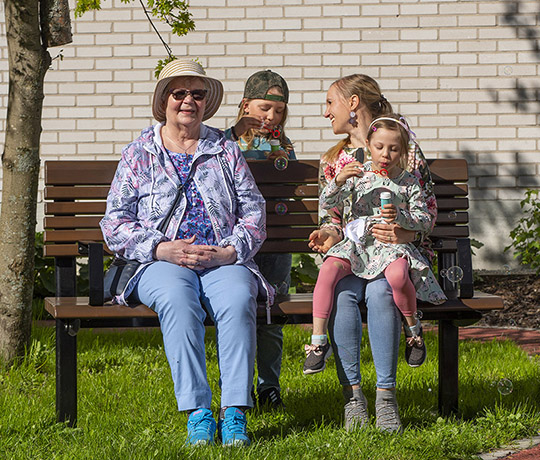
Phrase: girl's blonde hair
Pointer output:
(369, 93)
(249, 136)
(384, 121)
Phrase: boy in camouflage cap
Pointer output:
(258, 85)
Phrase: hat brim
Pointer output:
(213, 97)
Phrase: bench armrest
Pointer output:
(464, 260)
(95, 270)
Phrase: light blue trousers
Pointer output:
(384, 329)
(229, 295)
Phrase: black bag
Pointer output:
(121, 269)
(117, 275)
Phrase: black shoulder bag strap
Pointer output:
(165, 223)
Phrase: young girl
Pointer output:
(360, 253)
(261, 119)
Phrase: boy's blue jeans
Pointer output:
(229, 295)
(276, 268)
(384, 329)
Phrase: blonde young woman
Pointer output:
(352, 102)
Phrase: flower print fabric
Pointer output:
(370, 258)
(196, 220)
(144, 187)
(417, 165)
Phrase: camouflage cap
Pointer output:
(259, 83)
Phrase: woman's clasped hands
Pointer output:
(195, 256)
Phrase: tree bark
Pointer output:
(55, 22)
(28, 63)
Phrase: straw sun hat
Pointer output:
(186, 68)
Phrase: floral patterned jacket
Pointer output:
(144, 187)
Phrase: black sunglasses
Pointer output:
(181, 94)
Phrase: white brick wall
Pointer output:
(460, 70)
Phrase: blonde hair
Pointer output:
(404, 136)
(371, 98)
(249, 136)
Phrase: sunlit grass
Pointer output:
(127, 408)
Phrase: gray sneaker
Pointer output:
(415, 348)
(316, 356)
(356, 413)
(386, 410)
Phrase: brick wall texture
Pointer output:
(466, 74)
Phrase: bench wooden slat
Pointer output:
(459, 217)
(299, 304)
(73, 193)
(450, 232)
(451, 190)
(448, 170)
(293, 206)
(76, 193)
(446, 204)
(306, 171)
(71, 222)
(279, 246)
(80, 172)
(75, 207)
(299, 191)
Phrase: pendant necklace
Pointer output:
(182, 150)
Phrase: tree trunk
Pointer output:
(28, 63)
(55, 22)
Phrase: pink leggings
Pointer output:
(334, 269)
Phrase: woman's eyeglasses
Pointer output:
(181, 94)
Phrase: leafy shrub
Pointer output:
(526, 235)
(304, 273)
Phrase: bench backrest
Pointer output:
(76, 192)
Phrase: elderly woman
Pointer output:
(352, 102)
(204, 255)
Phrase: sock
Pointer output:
(223, 409)
(319, 339)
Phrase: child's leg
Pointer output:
(332, 271)
(397, 275)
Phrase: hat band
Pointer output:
(274, 97)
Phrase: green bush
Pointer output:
(526, 235)
(304, 273)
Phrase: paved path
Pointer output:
(528, 339)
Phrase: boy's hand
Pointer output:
(354, 168)
(246, 123)
(277, 154)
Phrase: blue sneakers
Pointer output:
(233, 428)
(201, 428)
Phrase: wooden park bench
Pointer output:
(75, 194)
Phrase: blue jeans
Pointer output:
(229, 295)
(384, 329)
(276, 268)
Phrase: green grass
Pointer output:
(127, 408)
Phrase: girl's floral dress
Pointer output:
(339, 216)
(369, 260)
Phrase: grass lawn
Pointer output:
(127, 408)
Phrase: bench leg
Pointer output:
(448, 367)
(66, 372)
